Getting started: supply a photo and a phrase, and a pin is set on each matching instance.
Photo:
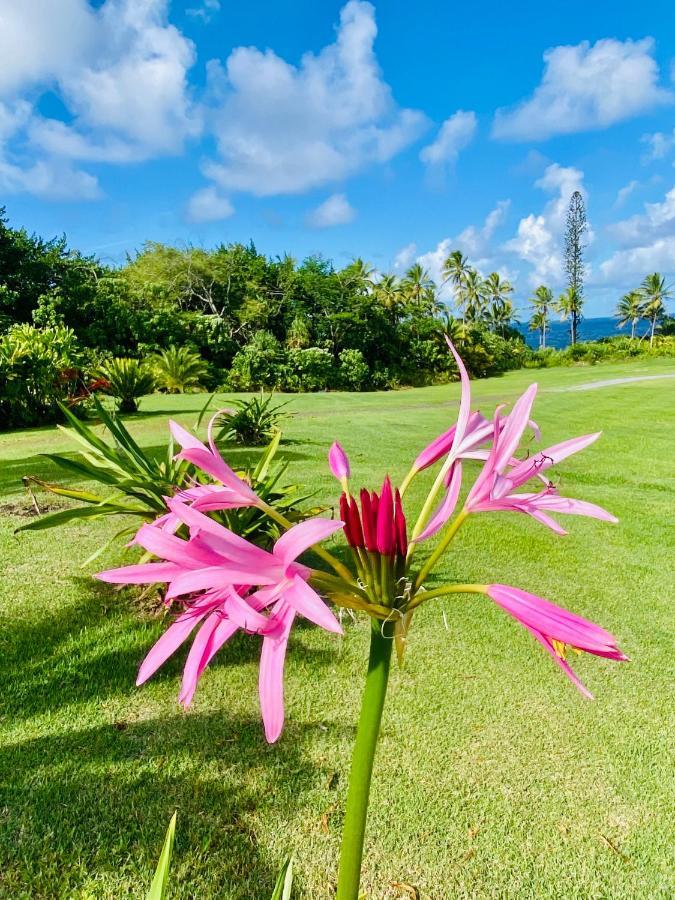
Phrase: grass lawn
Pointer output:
(494, 777)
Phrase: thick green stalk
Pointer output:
(349, 876)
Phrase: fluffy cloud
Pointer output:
(284, 129)
(205, 11)
(658, 220)
(474, 241)
(119, 69)
(454, 135)
(336, 210)
(207, 205)
(586, 87)
(659, 145)
(538, 240)
(624, 193)
(647, 243)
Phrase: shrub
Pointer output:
(310, 369)
(353, 372)
(259, 364)
(179, 369)
(38, 367)
(252, 422)
(127, 380)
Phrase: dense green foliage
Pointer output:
(235, 319)
(495, 778)
(252, 422)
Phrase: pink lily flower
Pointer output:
(502, 473)
(555, 628)
(233, 491)
(212, 573)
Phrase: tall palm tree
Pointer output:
(630, 308)
(471, 297)
(387, 292)
(542, 301)
(359, 275)
(655, 294)
(539, 322)
(500, 311)
(569, 306)
(455, 269)
(418, 286)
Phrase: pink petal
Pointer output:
(301, 537)
(564, 665)
(143, 573)
(245, 616)
(169, 642)
(514, 426)
(544, 459)
(184, 438)
(213, 577)
(435, 450)
(174, 549)
(209, 639)
(307, 602)
(448, 504)
(338, 461)
(465, 399)
(271, 676)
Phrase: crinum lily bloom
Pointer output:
(555, 628)
(502, 474)
(225, 582)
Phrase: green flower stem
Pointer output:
(423, 596)
(351, 854)
(440, 550)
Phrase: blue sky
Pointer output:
(391, 130)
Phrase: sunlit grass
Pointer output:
(494, 777)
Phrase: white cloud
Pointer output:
(454, 135)
(586, 87)
(405, 257)
(474, 241)
(206, 11)
(336, 210)
(658, 220)
(538, 240)
(628, 266)
(284, 129)
(119, 69)
(207, 205)
(659, 145)
(624, 193)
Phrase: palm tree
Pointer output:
(387, 292)
(569, 306)
(542, 301)
(471, 296)
(497, 290)
(500, 315)
(630, 308)
(359, 275)
(539, 322)
(655, 293)
(455, 269)
(418, 285)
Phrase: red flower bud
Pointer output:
(400, 526)
(368, 518)
(355, 523)
(344, 515)
(385, 520)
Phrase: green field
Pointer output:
(494, 778)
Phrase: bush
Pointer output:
(591, 352)
(38, 367)
(259, 364)
(353, 372)
(252, 422)
(310, 369)
(179, 369)
(127, 380)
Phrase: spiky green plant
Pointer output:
(252, 422)
(128, 380)
(179, 370)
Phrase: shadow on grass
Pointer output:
(91, 650)
(86, 801)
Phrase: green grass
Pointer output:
(494, 777)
